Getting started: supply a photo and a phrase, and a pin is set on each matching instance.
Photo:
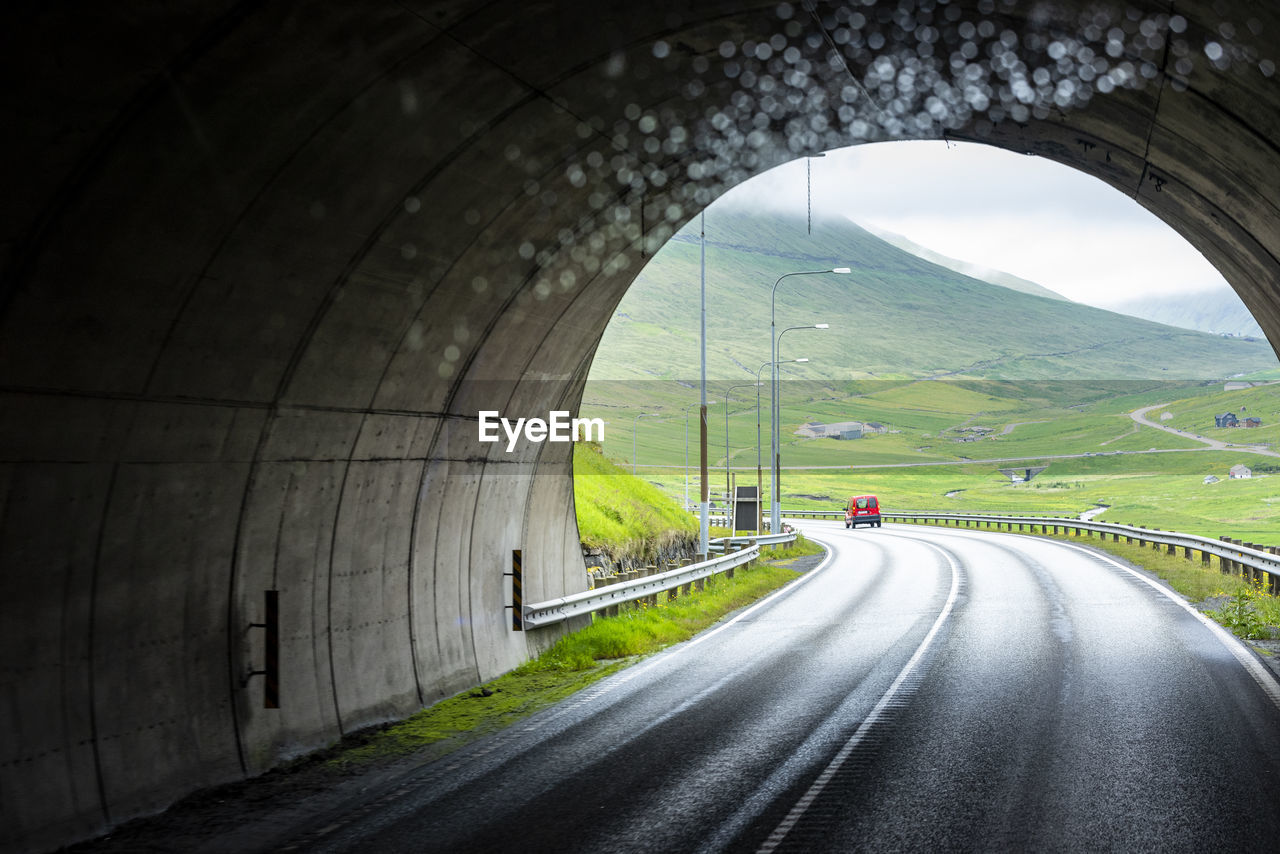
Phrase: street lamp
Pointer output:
(686, 448)
(634, 424)
(775, 515)
(726, 432)
(759, 465)
(777, 481)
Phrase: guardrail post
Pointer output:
(1251, 572)
(1171, 549)
(1225, 562)
(1205, 558)
(631, 575)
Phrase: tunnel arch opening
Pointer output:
(263, 266)
(1093, 240)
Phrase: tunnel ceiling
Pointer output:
(263, 263)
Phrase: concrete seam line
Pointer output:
(1238, 650)
(815, 789)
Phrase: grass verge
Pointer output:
(787, 555)
(575, 661)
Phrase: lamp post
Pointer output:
(635, 422)
(726, 432)
(686, 448)
(778, 477)
(775, 514)
(759, 465)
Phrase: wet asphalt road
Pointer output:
(923, 689)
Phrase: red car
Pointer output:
(862, 510)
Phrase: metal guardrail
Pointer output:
(1235, 558)
(814, 514)
(718, 544)
(555, 611)
(1257, 565)
(839, 514)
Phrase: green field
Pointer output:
(1196, 415)
(1163, 490)
(1247, 509)
(926, 422)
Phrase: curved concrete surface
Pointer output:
(264, 263)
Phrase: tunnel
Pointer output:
(264, 263)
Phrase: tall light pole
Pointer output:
(775, 514)
(635, 422)
(759, 465)
(704, 506)
(781, 361)
(686, 449)
(726, 432)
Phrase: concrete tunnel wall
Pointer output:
(264, 263)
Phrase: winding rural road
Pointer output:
(1140, 416)
(920, 690)
(1216, 444)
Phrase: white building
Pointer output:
(839, 430)
(1240, 471)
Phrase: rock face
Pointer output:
(601, 565)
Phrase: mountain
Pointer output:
(896, 316)
(965, 268)
(1217, 310)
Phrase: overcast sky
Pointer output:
(1024, 215)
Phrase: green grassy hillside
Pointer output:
(894, 316)
(623, 515)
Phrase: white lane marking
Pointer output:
(1265, 679)
(806, 800)
(622, 678)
